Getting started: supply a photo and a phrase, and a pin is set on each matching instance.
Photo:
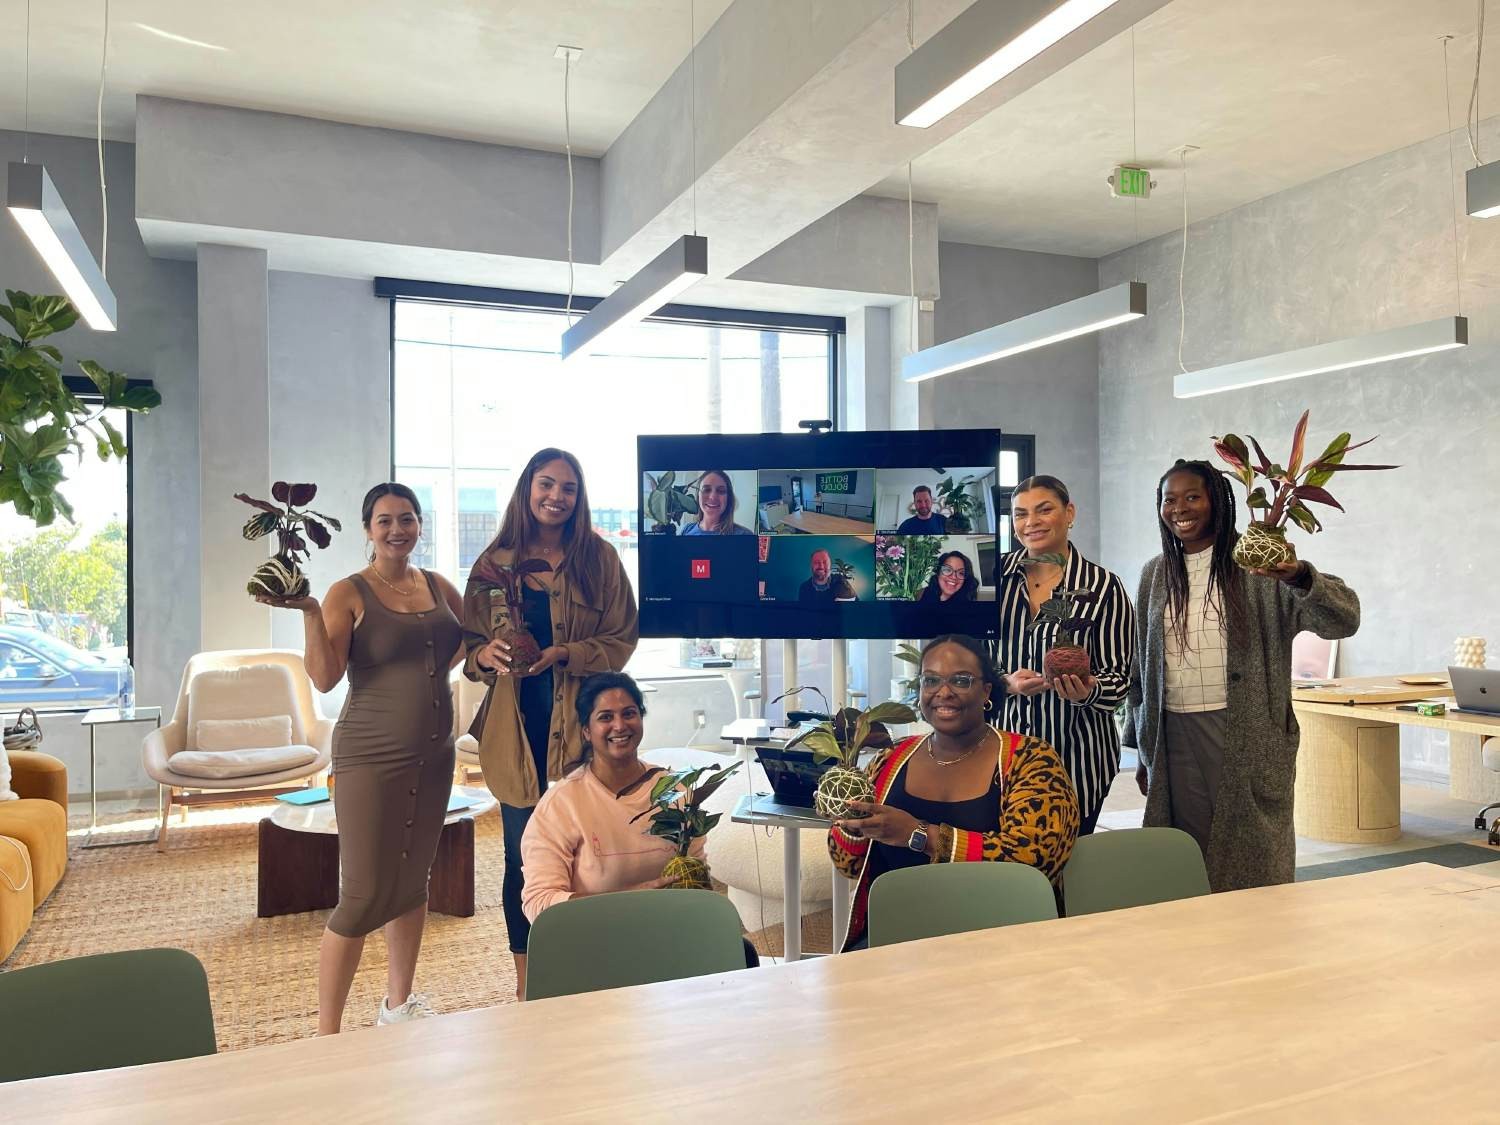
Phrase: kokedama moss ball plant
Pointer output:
(508, 607)
(1264, 545)
(1067, 657)
(281, 575)
(677, 810)
(841, 739)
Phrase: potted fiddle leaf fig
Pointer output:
(677, 816)
(40, 418)
(1263, 545)
(280, 577)
(841, 740)
(1067, 656)
(668, 501)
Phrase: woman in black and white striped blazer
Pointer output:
(1073, 713)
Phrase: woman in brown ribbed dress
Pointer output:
(395, 629)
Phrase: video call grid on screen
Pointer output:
(863, 535)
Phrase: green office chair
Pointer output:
(953, 898)
(1132, 867)
(104, 1011)
(631, 937)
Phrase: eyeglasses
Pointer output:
(950, 571)
(959, 681)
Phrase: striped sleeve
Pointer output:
(1113, 646)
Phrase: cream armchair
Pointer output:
(467, 698)
(269, 694)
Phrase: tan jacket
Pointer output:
(599, 637)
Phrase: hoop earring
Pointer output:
(370, 551)
(989, 705)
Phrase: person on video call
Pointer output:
(716, 504)
(926, 521)
(823, 586)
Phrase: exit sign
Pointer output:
(1130, 183)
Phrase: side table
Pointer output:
(109, 716)
(762, 809)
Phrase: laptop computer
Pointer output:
(1476, 689)
(793, 774)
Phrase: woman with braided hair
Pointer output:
(1210, 706)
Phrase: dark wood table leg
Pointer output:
(450, 890)
(298, 871)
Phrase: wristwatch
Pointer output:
(918, 841)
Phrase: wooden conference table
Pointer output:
(816, 523)
(1353, 999)
(1349, 759)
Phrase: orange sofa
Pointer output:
(33, 841)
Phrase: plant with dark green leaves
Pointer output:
(678, 817)
(957, 503)
(668, 501)
(841, 740)
(40, 419)
(1293, 486)
(293, 523)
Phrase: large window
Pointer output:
(64, 594)
(477, 390)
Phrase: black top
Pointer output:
(934, 524)
(535, 694)
(977, 814)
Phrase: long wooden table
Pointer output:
(1362, 998)
(817, 523)
(1349, 762)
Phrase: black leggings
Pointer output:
(517, 927)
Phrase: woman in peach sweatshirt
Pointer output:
(581, 839)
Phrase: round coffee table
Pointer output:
(299, 858)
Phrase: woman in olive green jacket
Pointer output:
(582, 612)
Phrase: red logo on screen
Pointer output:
(700, 568)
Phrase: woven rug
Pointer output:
(262, 972)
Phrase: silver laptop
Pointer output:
(1476, 689)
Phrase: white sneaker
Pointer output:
(415, 1008)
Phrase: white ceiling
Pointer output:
(475, 69)
(1273, 92)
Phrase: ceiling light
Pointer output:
(1360, 351)
(673, 270)
(34, 200)
(1099, 310)
(1482, 189)
(982, 45)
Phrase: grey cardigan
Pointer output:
(1251, 842)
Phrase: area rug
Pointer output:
(1444, 855)
(200, 896)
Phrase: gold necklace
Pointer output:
(954, 761)
(406, 593)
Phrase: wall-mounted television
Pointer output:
(874, 534)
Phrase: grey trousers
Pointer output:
(1195, 744)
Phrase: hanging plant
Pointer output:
(293, 523)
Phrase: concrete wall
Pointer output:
(1369, 247)
(157, 340)
(1052, 393)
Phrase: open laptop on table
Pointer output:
(794, 777)
(1476, 690)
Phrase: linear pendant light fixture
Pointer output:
(1099, 310)
(39, 209)
(673, 270)
(1439, 335)
(979, 47)
(1482, 190)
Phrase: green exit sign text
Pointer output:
(1131, 183)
